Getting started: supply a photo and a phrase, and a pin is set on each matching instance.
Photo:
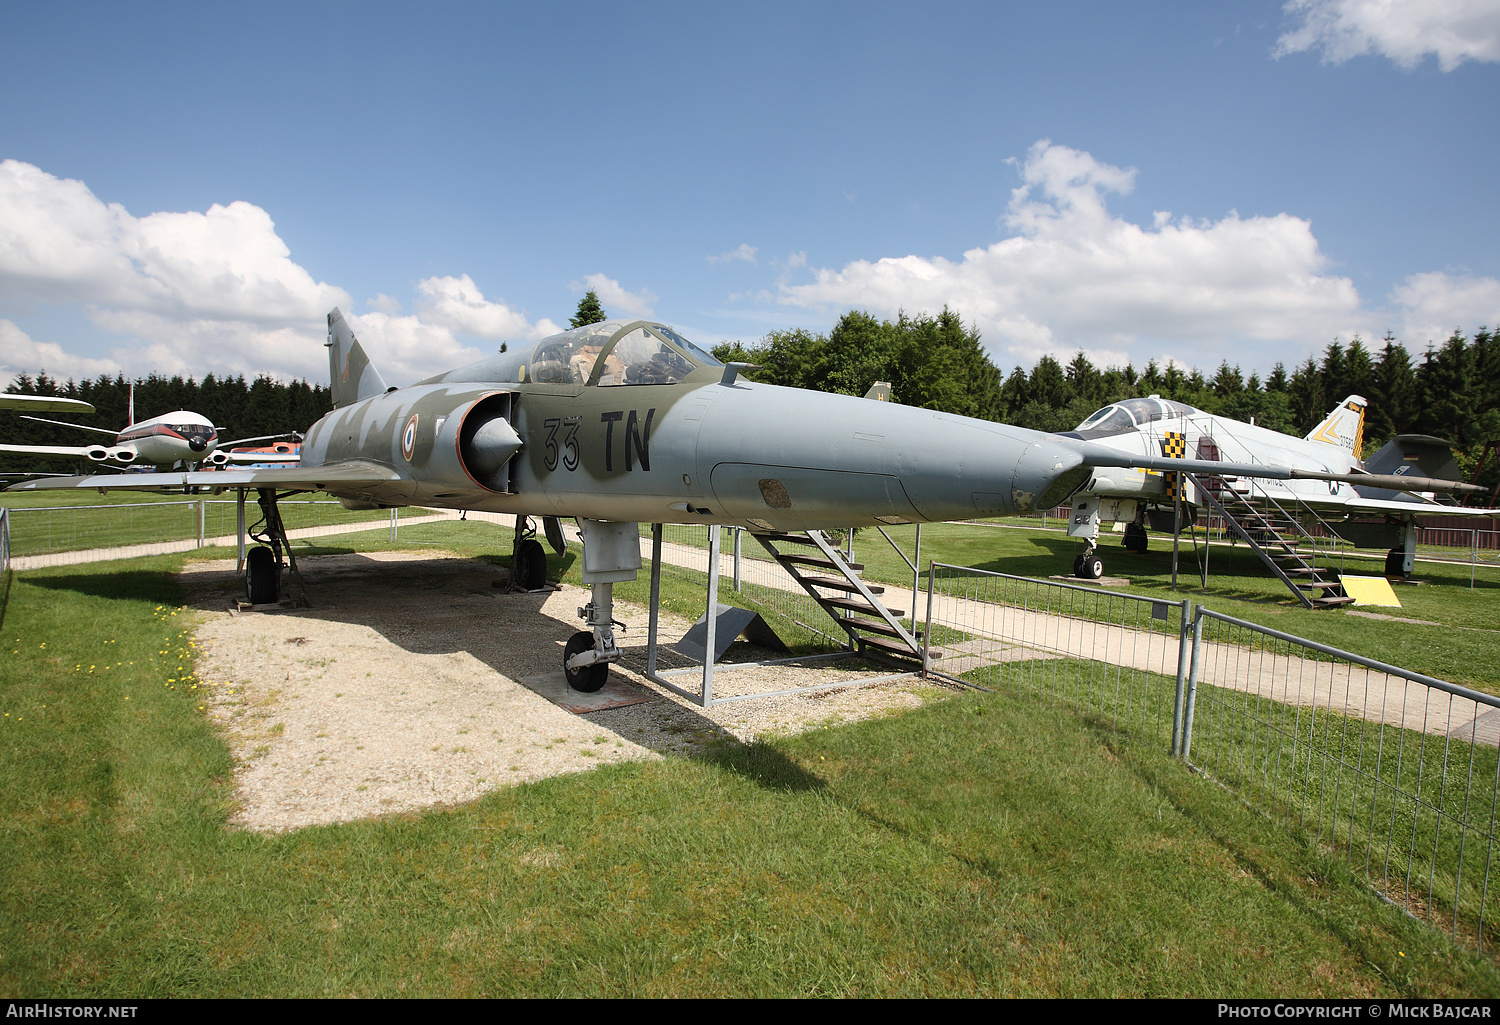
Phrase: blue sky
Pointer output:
(189, 188)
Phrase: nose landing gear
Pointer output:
(1088, 566)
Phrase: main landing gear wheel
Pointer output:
(1135, 538)
(589, 678)
(262, 576)
(529, 567)
(1395, 563)
(1088, 566)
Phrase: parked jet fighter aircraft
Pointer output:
(162, 441)
(622, 422)
(1395, 485)
(625, 422)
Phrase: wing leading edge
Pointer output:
(331, 477)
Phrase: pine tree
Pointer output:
(589, 310)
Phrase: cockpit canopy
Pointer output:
(615, 353)
(1134, 413)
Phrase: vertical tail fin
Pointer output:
(350, 375)
(1343, 428)
(130, 409)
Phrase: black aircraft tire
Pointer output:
(589, 678)
(1092, 567)
(1395, 560)
(1078, 565)
(261, 576)
(529, 570)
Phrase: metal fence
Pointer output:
(1481, 547)
(1392, 770)
(47, 530)
(1113, 654)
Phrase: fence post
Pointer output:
(1182, 664)
(926, 629)
(393, 524)
(1192, 687)
(202, 517)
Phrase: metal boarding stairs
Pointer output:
(853, 605)
(1262, 523)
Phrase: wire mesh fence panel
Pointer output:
(1111, 654)
(296, 514)
(1393, 771)
(1459, 543)
(47, 529)
(54, 530)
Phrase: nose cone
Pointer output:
(977, 468)
(799, 459)
(1048, 471)
(197, 444)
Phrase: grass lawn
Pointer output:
(990, 844)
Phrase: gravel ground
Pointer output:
(400, 690)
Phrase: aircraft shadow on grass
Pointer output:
(425, 607)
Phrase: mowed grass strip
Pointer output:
(984, 845)
(44, 522)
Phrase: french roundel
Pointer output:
(409, 437)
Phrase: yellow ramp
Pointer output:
(1370, 591)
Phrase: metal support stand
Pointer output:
(705, 695)
(739, 537)
(715, 535)
(1176, 527)
(239, 531)
(655, 612)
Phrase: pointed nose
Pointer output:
(1049, 470)
(974, 467)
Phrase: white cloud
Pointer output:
(19, 353)
(1074, 276)
(214, 291)
(209, 292)
(1434, 304)
(615, 299)
(458, 304)
(59, 242)
(406, 349)
(744, 251)
(1406, 31)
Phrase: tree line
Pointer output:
(238, 408)
(1451, 391)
